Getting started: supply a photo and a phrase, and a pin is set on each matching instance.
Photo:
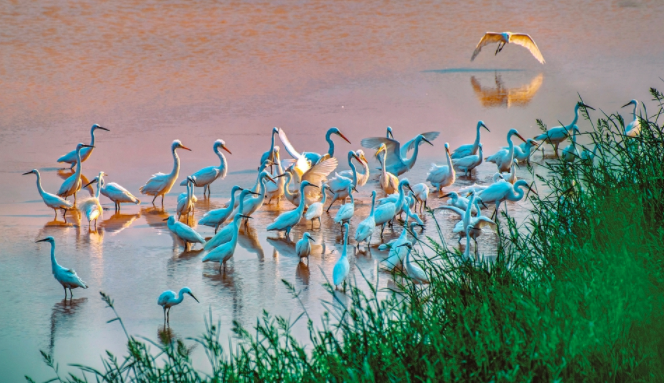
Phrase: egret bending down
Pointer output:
(167, 300)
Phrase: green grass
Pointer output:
(575, 294)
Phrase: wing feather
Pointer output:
(527, 42)
(410, 145)
(287, 144)
(488, 38)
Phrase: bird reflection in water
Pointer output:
(118, 222)
(502, 96)
(62, 317)
(155, 216)
(166, 335)
(226, 277)
(248, 239)
(65, 173)
(282, 246)
(302, 273)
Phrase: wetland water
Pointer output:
(152, 72)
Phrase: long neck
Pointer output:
(39, 185)
(634, 111)
(402, 196)
(344, 252)
(261, 187)
(287, 191)
(517, 193)
(382, 164)
(449, 160)
(222, 162)
(477, 138)
(231, 203)
(576, 114)
(176, 163)
(180, 297)
(78, 163)
(467, 252)
(330, 148)
(92, 137)
(272, 142)
(54, 263)
(410, 161)
(511, 146)
(100, 181)
(300, 207)
(352, 199)
(352, 167)
(236, 232)
(469, 210)
(373, 203)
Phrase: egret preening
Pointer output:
(365, 229)
(303, 246)
(504, 157)
(346, 211)
(206, 176)
(167, 300)
(502, 38)
(160, 184)
(315, 210)
(314, 158)
(504, 191)
(633, 129)
(116, 193)
(73, 183)
(341, 186)
(470, 149)
(91, 206)
(71, 158)
(558, 134)
(342, 267)
(571, 153)
(51, 200)
(184, 232)
(224, 235)
(394, 162)
(442, 176)
(186, 200)
(470, 162)
(286, 221)
(388, 181)
(225, 251)
(363, 177)
(215, 218)
(268, 156)
(421, 194)
(413, 271)
(67, 277)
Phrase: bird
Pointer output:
(400, 198)
(254, 203)
(588, 156)
(269, 154)
(511, 176)
(160, 184)
(51, 200)
(72, 184)
(341, 186)
(503, 38)
(470, 149)
(316, 175)
(313, 158)
(225, 251)
(388, 181)
(386, 212)
(276, 190)
(571, 153)
(394, 162)
(477, 222)
(523, 151)
(458, 201)
(342, 267)
(466, 253)
(633, 129)
(303, 246)
(413, 271)
(346, 211)
(397, 253)
(286, 221)
(167, 300)
(444, 175)
(468, 163)
(362, 177)
(67, 277)
(421, 194)
(497, 177)
(375, 142)
(214, 218)
(91, 206)
(502, 191)
(224, 235)
(315, 210)
(70, 158)
(504, 157)
(184, 232)
(206, 176)
(364, 230)
(116, 193)
(187, 199)
(558, 134)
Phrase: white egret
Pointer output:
(316, 175)
(214, 218)
(386, 212)
(276, 190)
(186, 200)
(442, 176)
(116, 193)
(292, 197)
(523, 151)
(67, 277)
(511, 176)
(206, 176)
(313, 158)
(365, 229)
(470, 149)
(73, 183)
(633, 129)
(225, 251)
(167, 300)
(504, 157)
(342, 267)
(504, 191)
(303, 246)
(51, 200)
(502, 38)
(160, 184)
(388, 181)
(468, 163)
(413, 271)
(315, 210)
(476, 222)
(397, 252)
(362, 177)
(71, 158)
(410, 144)
(286, 221)
(268, 156)
(254, 203)
(390, 142)
(341, 186)
(571, 153)
(91, 206)
(497, 177)
(394, 162)
(421, 194)
(459, 202)
(558, 134)
(346, 211)
(184, 232)
(399, 199)
(410, 214)
(224, 235)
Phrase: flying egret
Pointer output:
(503, 158)
(73, 183)
(167, 300)
(558, 134)
(388, 181)
(186, 200)
(268, 156)
(413, 271)
(421, 194)
(633, 129)
(315, 210)
(497, 177)
(224, 235)
(504, 191)
(316, 175)
(397, 252)
(91, 206)
(468, 163)
(342, 267)
(206, 176)
(225, 251)
(362, 177)
(303, 246)
(365, 229)
(67, 277)
(71, 158)
(341, 186)
(389, 141)
(286, 221)
(254, 203)
(394, 162)
(470, 149)
(346, 211)
(214, 218)
(160, 184)
(571, 153)
(313, 158)
(276, 190)
(502, 38)
(184, 232)
(442, 176)
(51, 200)
(458, 201)
(116, 193)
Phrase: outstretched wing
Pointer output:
(488, 38)
(410, 145)
(393, 148)
(527, 42)
(287, 145)
(319, 172)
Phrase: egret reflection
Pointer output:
(502, 96)
(118, 222)
(62, 317)
(248, 240)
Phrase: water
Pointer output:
(152, 72)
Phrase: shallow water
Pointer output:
(152, 72)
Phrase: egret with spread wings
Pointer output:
(503, 38)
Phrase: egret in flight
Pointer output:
(313, 158)
(303, 246)
(70, 158)
(286, 221)
(342, 267)
(91, 206)
(470, 149)
(116, 193)
(508, 37)
(51, 200)
(167, 300)
(633, 129)
(558, 134)
(160, 184)
(72, 184)
(206, 176)
(67, 277)
(444, 175)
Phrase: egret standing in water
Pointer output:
(269, 155)
(286, 221)
(504, 191)
(184, 232)
(303, 246)
(571, 153)
(340, 186)
(346, 211)
(503, 158)
(206, 176)
(167, 300)
(413, 271)
(226, 234)
(72, 184)
(216, 217)
(342, 267)
(116, 193)
(470, 149)
(503, 38)
(70, 158)
(315, 210)
(67, 277)
(160, 184)
(468, 163)
(633, 129)
(225, 251)
(421, 194)
(312, 157)
(186, 200)
(51, 200)
(389, 141)
(365, 229)
(91, 206)
(558, 134)
(363, 177)
(442, 176)
(388, 181)
(395, 163)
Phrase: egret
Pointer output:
(346, 211)
(71, 157)
(410, 145)
(442, 176)
(503, 38)
(476, 222)
(389, 141)
(286, 221)
(225, 234)
(116, 193)
(216, 217)
(386, 212)
(259, 177)
(186, 200)
(206, 176)
(468, 163)
(303, 246)
(504, 157)
(167, 300)
(399, 199)
(67, 277)
(365, 229)
(275, 191)
(184, 232)
(397, 253)
(558, 134)
(254, 203)
(412, 215)
(504, 191)
(497, 177)
(91, 206)
(268, 156)
(51, 200)
(466, 253)
(316, 175)
(314, 158)
(315, 210)
(458, 201)
(421, 194)
(511, 176)
(413, 271)
(73, 183)
(394, 162)
(224, 252)
(633, 129)
(388, 181)
(470, 149)
(523, 151)
(160, 184)
(341, 186)
(293, 197)
(571, 153)
(342, 267)
(363, 177)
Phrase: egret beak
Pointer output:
(427, 141)
(535, 143)
(487, 129)
(185, 148)
(312, 240)
(316, 186)
(448, 151)
(501, 176)
(165, 219)
(587, 106)
(628, 104)
(448, 194)
(405, 244)
(271, 179)
(355, 189)
(226, 149)
(91, 182)
(28, 172)
(88, 146)
(532, 190)
(192, 295)
(342, 136)
(254, 193)
(364, 159)
(102, 128)
(483, 204)
(356, 157)
(245, 216)
(518, 135)
(281, 175)
(41, 240)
